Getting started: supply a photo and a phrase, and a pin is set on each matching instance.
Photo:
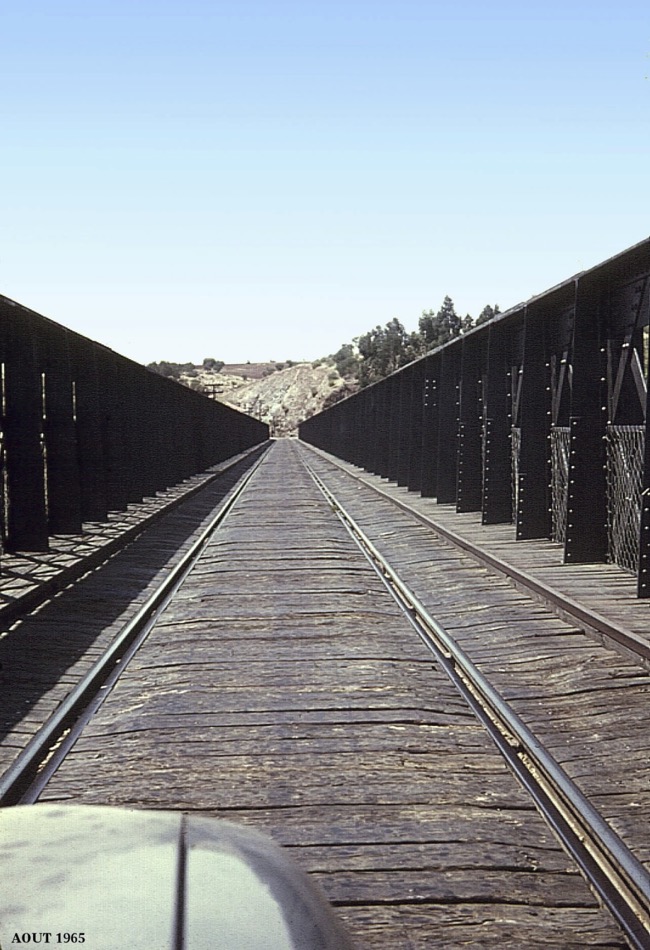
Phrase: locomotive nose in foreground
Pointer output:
(112, 878)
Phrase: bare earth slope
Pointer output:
(282, 398)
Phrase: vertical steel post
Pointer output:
(383, 436)
(415, 437)
(113, 407)
(90, 447)
(136, 434)
(429, 478)
(27, 527)
(643, 580)
(469, 430)
(63, 478)
(360, 429)
(448, 420)
(405, 414)
(497, 462)
(586, 536)
(393, 384)
(374, 428)
(533, 513)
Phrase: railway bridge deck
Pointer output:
(283, 686)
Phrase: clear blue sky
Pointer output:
(267, 179)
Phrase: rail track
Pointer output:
(401, 556)
(622, 882)
(103, 657)
(567, 607)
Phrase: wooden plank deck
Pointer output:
(46, 653)
(283, 688)
(589, 704)
(28, 578)
(605, 588)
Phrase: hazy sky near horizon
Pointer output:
(266, 179)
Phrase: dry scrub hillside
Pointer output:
(280, 397)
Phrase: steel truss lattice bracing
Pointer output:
(537, 417)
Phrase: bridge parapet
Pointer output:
(537, 417)
(85, 431)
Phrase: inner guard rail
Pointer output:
(85, 431)
(537, 417)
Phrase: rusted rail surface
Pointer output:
(538, 417)
(85, 431)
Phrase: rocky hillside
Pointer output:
(280, 397)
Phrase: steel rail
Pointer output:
(29, 773)
(611, 869)
(46, 589)
(584, 617)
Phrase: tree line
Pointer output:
(382, 350)
(176, 370)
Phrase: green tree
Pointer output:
(214, 365)
(487, 313)
(173, 370)
(383, 350)
(346, 360)
(438, 328)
